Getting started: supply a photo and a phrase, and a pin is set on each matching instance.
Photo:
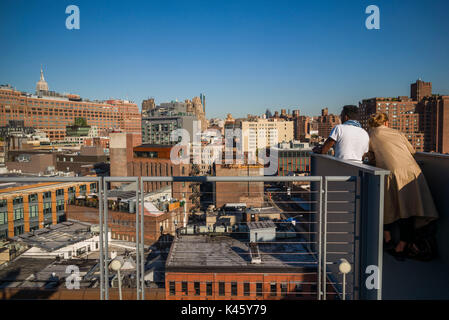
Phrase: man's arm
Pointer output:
(324, 149)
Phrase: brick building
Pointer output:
(402, 114)
(147, 160)
(434, 123)
(301, 127)
(423, 118)
(201, 267)
(250, 193)
(123, 224)
(52, 112)
(30, 206)
(326, 122)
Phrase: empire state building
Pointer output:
(41, 85)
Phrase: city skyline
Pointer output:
(249, 58)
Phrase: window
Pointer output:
(18, 214)
(3, 204)
(172, 288)
(33, 211)
(3, 218)
(233, 288)
(60, 205)
(298, 289)
(221, 288)
(283, 289)
(47, 207)
(32, 197)
(246, 290)
(259, 289)
(17, 200)
(273, 289)
(47, 195)
(209, 288)
(184, 288)
(60, 192)
(196, 287)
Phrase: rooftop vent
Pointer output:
(255, 253)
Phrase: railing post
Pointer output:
(136, 210)
(320, 219)
(100, 208)
(325, 238)
(371, 235)
(142, 238)
(105, 234)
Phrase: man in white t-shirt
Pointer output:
(349, 139)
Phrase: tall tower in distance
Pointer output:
(420, 89)
(41, 85)
(203, 101)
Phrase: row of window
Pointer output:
(234, 285)
(19, 213)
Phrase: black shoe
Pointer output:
(389, 245)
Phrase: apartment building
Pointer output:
(423, 118)
(26, 207)
(258, 133)
(326, 122)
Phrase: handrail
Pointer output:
(362, 167)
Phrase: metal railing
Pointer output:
(329, 231)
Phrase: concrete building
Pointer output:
(293, 161)
(158, 129)
(66, 240)
(258, 133)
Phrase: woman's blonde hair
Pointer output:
(377, 119)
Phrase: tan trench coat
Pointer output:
(406, 191)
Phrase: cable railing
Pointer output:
(275, 238)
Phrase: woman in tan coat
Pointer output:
(408, 201)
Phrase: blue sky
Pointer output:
(246, 56)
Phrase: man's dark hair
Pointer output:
(351, 111)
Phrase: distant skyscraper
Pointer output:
(41, 85)
(203, 101)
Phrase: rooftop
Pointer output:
(57, 236)
(201, 253)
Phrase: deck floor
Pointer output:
(412, 279)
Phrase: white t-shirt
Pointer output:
(351, 142)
